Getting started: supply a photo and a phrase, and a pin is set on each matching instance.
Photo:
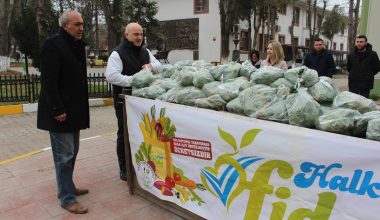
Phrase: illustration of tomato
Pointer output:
(164, 137)
(169, 182)
(166, 191)
(176, 177)
(159, 184)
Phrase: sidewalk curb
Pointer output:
(23, 108)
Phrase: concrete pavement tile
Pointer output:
(5, 205)
(20, 198)
(4, 173)
(117, 206)
(33, 211)
(147, 214)
(43, 190)
(51, 205)
(104, 189)
(10, 215)
(10, 185)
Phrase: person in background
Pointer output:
(275, 56)
(362, 64)
(63, 107)
(320, 59)
(254, 58)
(127, 59)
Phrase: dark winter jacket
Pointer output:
(323, 62)
(133, 59)
(362, 68)
(63, 84)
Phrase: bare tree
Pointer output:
(350, 24)
(317, 23)
(355, 25)
(6, 7)
(113, 12)
(291, 31)
(38, 8)
(227, 19)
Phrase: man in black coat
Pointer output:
(63, 107)
(320, 59)
(363, 64)
(127, 59)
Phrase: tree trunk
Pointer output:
(226, 9)
(263, 36)
(322, 17)
(309, 22)
(249, 34)
(256, 27)
(291, 30)
(273, 17)
(5, 9)
(350, 25)
(113, 13)
(39, 5)
(96, 26)
(315, 21)
(356, 22)
(60, 6)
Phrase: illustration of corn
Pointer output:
(158, 133)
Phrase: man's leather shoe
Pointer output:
(78, 192)
(75, 208)
(123, 176)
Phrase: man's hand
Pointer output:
(147, 66)
(61, 118)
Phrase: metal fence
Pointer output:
(26, 88)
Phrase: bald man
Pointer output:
(127, 59)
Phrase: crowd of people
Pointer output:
(63, 108)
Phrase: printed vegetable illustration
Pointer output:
(155, 151)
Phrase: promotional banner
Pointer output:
(225, 166)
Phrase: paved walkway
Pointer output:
(28, 187)
(19, 135)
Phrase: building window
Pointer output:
(334, 46)
(281, 39)
(243, 44)
(341, 47)
(319, 21)
(282, 10)
(307, 42)
(296, 16)
(308, 19)
(295, 41)
(200, 6)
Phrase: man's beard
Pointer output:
(361, 48)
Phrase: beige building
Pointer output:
(205, 13)
(369, 22)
